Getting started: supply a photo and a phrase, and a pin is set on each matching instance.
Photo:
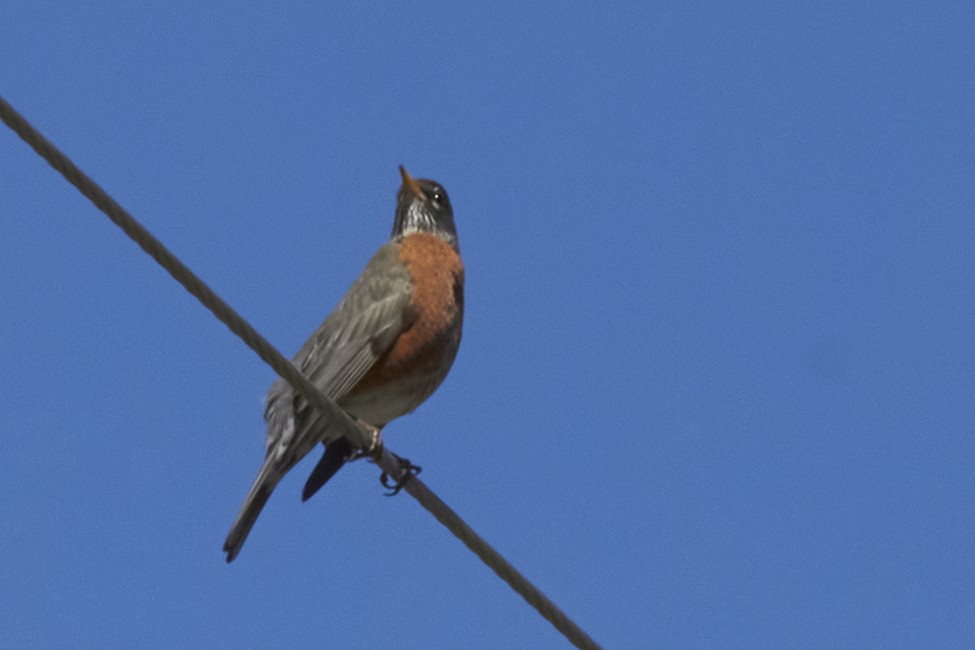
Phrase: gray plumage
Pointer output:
(373, 313)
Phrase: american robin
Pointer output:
(384, 349)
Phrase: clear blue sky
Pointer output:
(716, 383)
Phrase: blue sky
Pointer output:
(715, 388)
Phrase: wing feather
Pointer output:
(367, 321)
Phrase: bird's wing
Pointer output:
(374, 312)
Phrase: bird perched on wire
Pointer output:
(385, 348)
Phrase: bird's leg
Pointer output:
(407, 470)
(374, 452)
(375, 448)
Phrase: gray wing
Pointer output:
(374, 311)
(372, 314)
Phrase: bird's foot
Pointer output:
(407, 470)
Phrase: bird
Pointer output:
(384, 349)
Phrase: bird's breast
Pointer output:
(417, 362)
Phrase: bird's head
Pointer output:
(422, 205)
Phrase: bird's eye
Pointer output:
(437, 198)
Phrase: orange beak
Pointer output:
(411, 184)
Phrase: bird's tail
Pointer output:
(260, 492)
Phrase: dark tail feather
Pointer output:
(259, 493)
(337, 453)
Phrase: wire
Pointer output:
(333, 415)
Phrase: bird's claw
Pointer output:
(407, 471)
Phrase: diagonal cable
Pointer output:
(332, 414)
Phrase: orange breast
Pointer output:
(424, 352)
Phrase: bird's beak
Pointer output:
(411, 184)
